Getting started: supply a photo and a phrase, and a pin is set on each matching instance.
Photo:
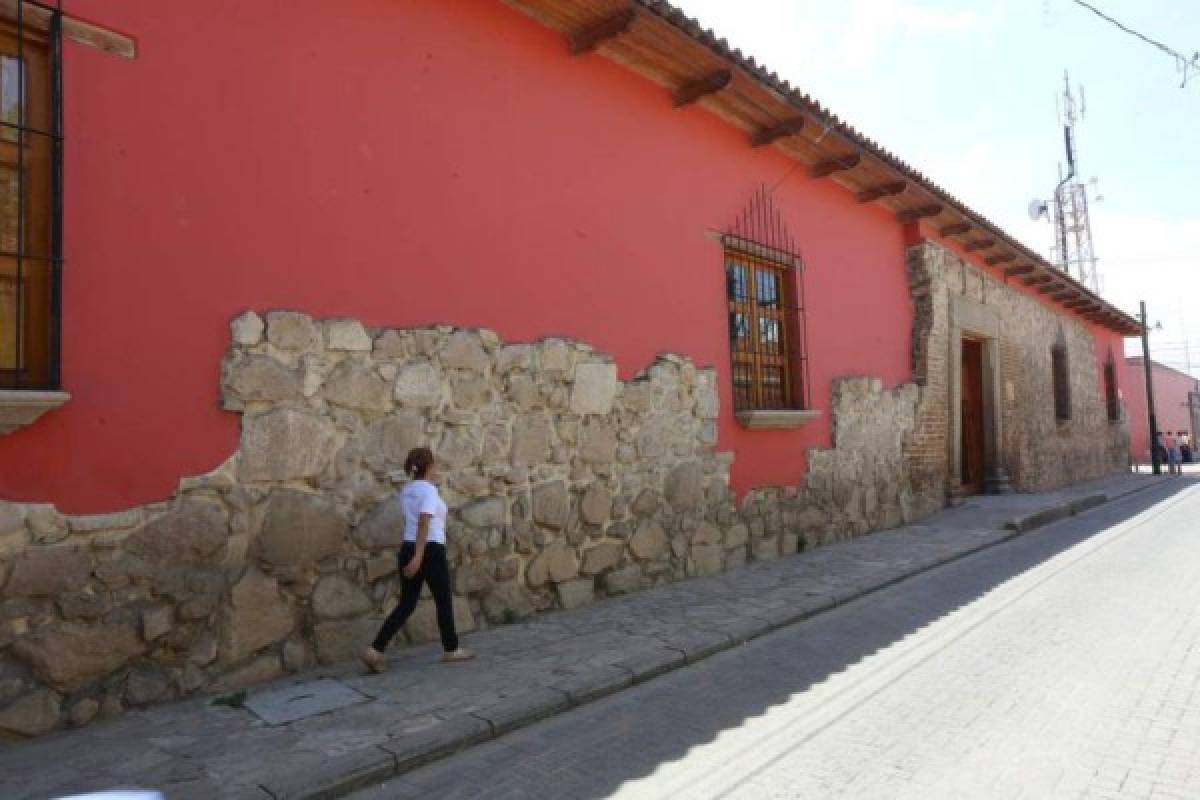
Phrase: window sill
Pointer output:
(775, 420)
(21, 407)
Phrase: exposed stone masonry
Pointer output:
(564, 483)
(1038, 451)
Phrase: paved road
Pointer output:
(1065, 663)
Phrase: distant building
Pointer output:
(1176, 401)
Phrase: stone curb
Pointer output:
(1069, 508)
(367, 768)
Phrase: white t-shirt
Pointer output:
(421, 497)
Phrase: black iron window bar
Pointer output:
(764, 275)
(31, 255)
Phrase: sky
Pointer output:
(967, 92)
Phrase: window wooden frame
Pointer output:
(1111, 396)
(1061, 374)
(764, 341)
(30, 183)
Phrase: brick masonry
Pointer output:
(1037, 451)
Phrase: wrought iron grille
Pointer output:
(31, 145)
(764, 288)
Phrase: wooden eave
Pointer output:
(1019, 269)
(670, 49)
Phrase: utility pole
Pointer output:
(1156, 464)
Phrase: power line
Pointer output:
(1182, 62)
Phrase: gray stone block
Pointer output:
(650, 662)
(411, 749)
(1088, 501)
(592, 683)
(318, 776)
(700, 644)
(521, 709)
(1037, 519)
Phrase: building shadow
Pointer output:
(595, 750)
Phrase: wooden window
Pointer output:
(761, 334)
(1110, 390)
(1062, 382)
(30, 154)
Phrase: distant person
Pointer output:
(1172, 446)
(422, 560)
(1186, 454)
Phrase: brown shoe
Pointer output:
(461, 654)
(374, 660)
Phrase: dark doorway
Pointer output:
(972, 416)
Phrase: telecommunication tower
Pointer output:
(1068, 209)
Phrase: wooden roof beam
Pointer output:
(1003, 258)
(955, 229)
(1040, 278)
(585, 40)
(765, 136)
(1051, 287)
(1082, 302)
(884, 190)
(705, 85)
(921, 212)
(1066, 294)
(1020, 269)
(979, 244)
(824, 169)
(73, 28)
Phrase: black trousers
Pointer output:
(434, 571)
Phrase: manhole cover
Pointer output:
(281, 706)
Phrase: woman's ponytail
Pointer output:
(419, 460)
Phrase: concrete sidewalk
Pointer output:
(329, 731)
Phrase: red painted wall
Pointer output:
(404, 162)
(1171, 389)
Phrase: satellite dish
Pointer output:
(1037, 208)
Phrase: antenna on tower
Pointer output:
(1068, 208)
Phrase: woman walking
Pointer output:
(422, 560)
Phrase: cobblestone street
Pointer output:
(1064, 663)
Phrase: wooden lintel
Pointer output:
(692, 91)
(914, 214)
(585, 40)
(1002, 258)
(979, 244)
(77, 30)
(1020, 269)
(789, 127)
(883, 190)
(955, 229)
(823, 169)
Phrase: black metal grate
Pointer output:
(31, 145)
(764, 288)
